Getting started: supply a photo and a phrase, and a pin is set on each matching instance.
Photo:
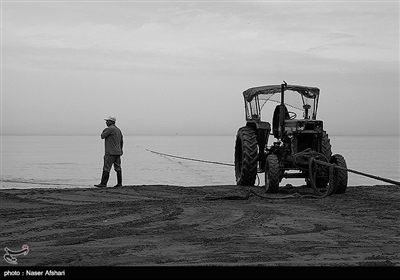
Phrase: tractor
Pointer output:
(299, 136)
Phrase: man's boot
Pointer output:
(104, 180)
(119, 179)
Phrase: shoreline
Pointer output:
(58, 186)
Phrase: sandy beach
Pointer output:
(177, 226)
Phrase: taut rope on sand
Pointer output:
(247, 196)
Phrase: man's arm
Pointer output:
(122, 143)
(105, 133)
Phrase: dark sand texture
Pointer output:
(175, 226)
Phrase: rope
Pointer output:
(312, 173)
(296, 162)
(192, 159)
(363, 174)
(305, 160)
(247, 196)
(311, 156)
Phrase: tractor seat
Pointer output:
(275, 119)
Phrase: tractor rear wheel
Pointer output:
(340, 176)
(326, 150)
(246, 156)
(272, 174)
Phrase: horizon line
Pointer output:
(173, 134)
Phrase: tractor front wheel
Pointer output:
(272, 174)
(340, 176)
(246, 156)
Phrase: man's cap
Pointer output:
(111, 118)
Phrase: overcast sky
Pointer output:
(180, 67)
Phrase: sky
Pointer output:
(180, 67)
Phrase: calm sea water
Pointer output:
(76, 161)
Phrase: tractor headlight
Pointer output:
(300, 126)
(318, 126)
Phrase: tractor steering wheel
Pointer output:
(292, 115)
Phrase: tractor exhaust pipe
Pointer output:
(281, 109)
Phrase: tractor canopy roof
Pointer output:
(309, 92)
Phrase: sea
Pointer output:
(32, 161)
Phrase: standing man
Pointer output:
(113, 151)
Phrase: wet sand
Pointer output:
(176, 226)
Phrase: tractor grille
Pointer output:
(309, 126)
(305, 141)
